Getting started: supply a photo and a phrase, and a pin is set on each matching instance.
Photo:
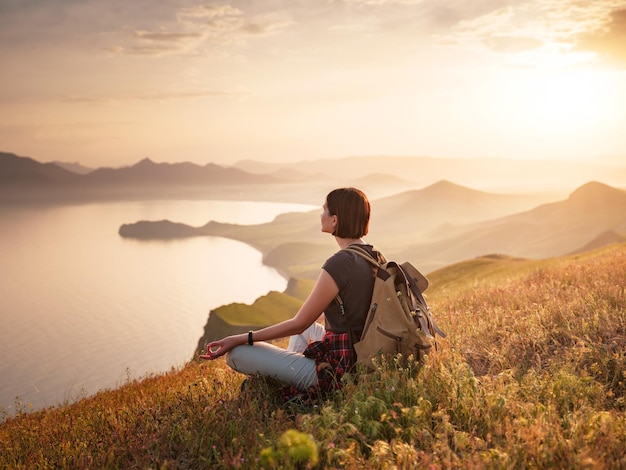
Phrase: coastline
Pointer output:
(217, 326)
(132, 293)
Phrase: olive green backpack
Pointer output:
(399, 321)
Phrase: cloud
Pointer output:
(150, 97)
(446, 15)
(75, 23)
(209, 11)
(224, 18)
(610, 40)
(166, 36)
(384, 2)
(512, 43)
(540, 30)
(200, 27)
(266, 26)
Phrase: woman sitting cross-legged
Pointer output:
(319, 368)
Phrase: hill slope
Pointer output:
(530, 376)
(548, 230)
(400, 218)
(407, 226)
(16, 171)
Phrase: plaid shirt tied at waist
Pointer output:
(333, 358)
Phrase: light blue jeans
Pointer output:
(287, 365)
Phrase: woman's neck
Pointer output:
(344, 242)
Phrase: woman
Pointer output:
(346, 216)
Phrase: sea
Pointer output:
(83, 309)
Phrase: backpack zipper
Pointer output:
(396, 338)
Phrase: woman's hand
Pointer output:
(218, 348)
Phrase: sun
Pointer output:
(566, 101)
(560, 103)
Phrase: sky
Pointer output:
(110, 82)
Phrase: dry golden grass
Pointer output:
(532, 375)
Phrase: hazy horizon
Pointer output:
(303, 181)
(616, 162)
(110, 83)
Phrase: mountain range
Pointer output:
(584, 219)
(23, 179)
(490, 174)
(439, 225)
(16, 170)
(432, 225)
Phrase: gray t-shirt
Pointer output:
(355, 278)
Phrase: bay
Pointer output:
(83, 309)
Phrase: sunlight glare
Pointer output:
(562, 103)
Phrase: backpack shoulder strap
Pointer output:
(363, 253)
(377, 265)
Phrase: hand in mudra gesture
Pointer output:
(215, 349)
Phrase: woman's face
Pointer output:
(329, 222)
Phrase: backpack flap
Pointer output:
(416, 277)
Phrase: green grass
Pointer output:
(532, 375)
(268, 309)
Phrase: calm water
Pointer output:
(83, 309)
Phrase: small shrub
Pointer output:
(294, 449)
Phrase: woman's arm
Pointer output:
(323, 293)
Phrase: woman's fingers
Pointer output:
(212, 351)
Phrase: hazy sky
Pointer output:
(107, 83)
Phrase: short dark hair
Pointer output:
(352, 209)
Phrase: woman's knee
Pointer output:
(235, 355)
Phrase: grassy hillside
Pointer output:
(532, 375)
(266, 310)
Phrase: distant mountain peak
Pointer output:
(145, 162)
(445, 184)
(595, 191)
(74, 167)
(593, 186)
(445, 188)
